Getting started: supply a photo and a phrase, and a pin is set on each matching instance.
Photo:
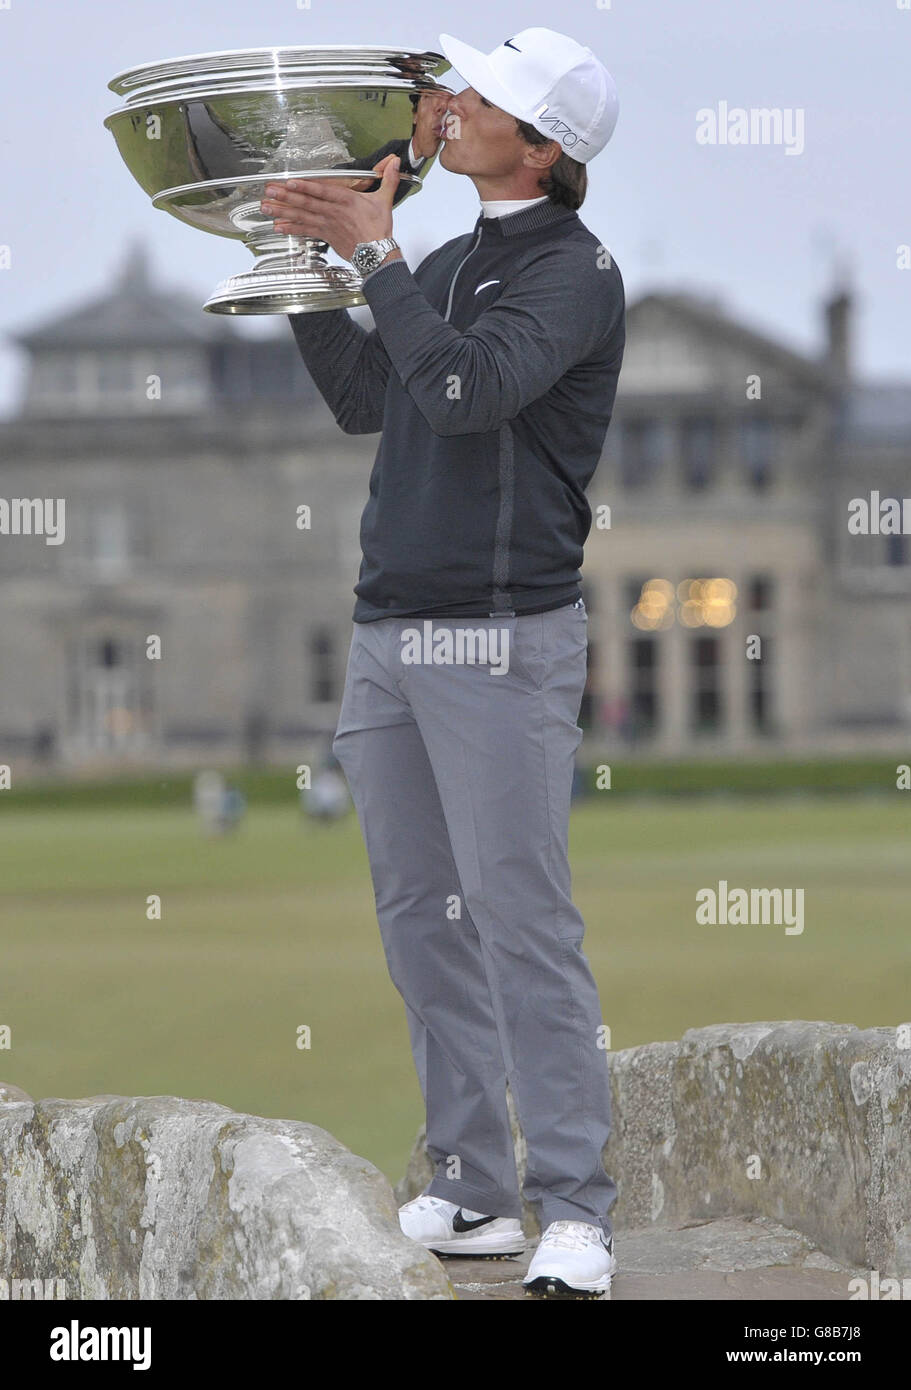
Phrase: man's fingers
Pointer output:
(324, 190)
(295, 220)
(288, 200)
(302, 194)
(297, 214)
(299, 224)
(295, 195)
(365, 185)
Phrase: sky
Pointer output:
(763, 231)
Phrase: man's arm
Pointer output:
(348, 364)
(552, 315)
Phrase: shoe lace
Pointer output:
(571, 1235)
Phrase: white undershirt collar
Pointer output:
(501, 207)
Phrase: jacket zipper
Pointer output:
(498, 543)
(457, 269)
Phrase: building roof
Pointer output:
(706, 314)
(134, 310)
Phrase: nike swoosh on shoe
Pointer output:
(460, 1224)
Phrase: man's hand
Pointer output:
(330, 211)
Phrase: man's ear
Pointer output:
(542, 156)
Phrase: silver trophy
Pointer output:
(203, 135)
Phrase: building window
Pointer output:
(109, 540)
(109, 695)
(632, 588)
(110, 654)
(640, 453)
(322, 666)
(644, 712)
(698, 450)
(760, 593)
(115, 373)
(706, 713)
(760, 689)
(58, 375)
(258, 371)
(757, 437)
(102, 538)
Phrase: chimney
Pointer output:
(838, 311)
(135, 274)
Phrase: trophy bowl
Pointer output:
(203, 135)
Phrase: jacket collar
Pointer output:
(525, 220)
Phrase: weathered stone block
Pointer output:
(161, 1198)
(808, 1124)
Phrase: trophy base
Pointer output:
(293, 290)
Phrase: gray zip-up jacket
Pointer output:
(491, 373)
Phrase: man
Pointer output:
(491, 372)
(413, 153)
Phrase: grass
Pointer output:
(274, 927)
(132, 790)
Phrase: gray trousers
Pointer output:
(461, 774)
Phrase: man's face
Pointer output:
(480, 138)
(428, 122)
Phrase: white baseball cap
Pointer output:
(548, 80)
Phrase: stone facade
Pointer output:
(184, 452)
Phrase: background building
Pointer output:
(212, 503)
(731, 461)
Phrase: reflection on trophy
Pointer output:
(203, 136)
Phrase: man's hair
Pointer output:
(566, 181)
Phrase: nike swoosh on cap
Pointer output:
(485, 285)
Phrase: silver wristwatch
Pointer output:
(367, 255)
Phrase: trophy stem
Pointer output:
(312, 252)
(291, 276)
(305, 251)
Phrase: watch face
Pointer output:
(367, 258)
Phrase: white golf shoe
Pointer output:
(448, 1229)
(573, 1260)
